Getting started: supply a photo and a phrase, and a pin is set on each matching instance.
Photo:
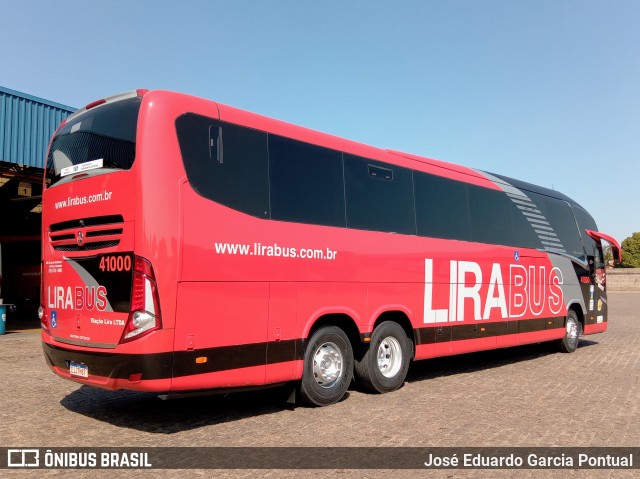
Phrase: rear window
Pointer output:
(99, 141)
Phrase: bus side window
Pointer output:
(562, 227)
(599, 257)
(241, 181)
(442, 207)
(378, 198)
(306, 183)
(491, 219)
(585, 221)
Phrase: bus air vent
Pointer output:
(86, 234)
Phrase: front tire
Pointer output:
(328, 367)
(384, 366)
(573, 330)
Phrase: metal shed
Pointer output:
(26, 126)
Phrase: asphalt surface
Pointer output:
(524, 396)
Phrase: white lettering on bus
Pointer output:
(275, 251)
(529, 291)
(78, 298)
(84, 200)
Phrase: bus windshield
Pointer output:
(96, 142)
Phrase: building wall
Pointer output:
(623, 279)
(26, 126)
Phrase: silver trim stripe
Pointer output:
(541, 228)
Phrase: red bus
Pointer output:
(189, 246)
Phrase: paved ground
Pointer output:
(526, 396)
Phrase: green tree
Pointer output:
(631, 251)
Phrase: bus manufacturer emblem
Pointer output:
(80, 238)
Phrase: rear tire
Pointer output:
(328, 367)
(384, 366)
(573, 330)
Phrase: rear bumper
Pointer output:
(138, 372)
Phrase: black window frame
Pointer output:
(220, 181)
(434, 206)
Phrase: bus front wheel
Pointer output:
(328, 367)
(573, 330)
(384, 365)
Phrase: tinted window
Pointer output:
(491, 216)
(599, 259)
(306, 183)
(586, 222)
(442, 207)
(106, 133)
(560, 218)
(523, 230)
(379, 197)
(226, 163)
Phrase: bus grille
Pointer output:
(86, 234)
(87, 247)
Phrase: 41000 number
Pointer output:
(115, 263)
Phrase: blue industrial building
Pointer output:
(26, 126)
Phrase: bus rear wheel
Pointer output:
(573, 330)
(384, 365)
(328, 367)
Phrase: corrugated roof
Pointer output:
(26, 125)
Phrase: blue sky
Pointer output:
(546, 91)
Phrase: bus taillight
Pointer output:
(44, 321)
(145, 305)
(95, 103)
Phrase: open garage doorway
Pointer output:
(20, 241)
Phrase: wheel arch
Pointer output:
(400, 317)
(577, 308)
(341, 320)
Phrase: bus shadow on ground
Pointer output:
(484, 360)
(148, 413)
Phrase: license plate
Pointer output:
(79, 370)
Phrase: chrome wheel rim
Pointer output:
(327, 365)
(389, 357)
(572, 332)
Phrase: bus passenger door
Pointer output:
(597, 304)
(597, 301)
